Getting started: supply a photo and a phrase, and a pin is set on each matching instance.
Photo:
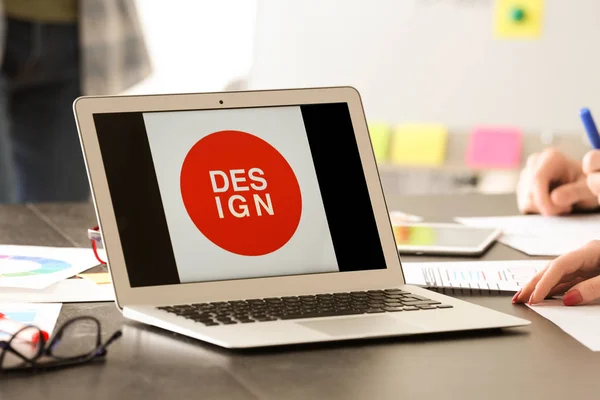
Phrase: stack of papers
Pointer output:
(65, 291)
(40, 274)
(34, 281)
(536, 235)
(484, 275)
(39, 267)
(43, 316)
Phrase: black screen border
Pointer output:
(318, 125)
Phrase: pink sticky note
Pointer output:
(494, 147)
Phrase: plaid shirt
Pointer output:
(114, 54)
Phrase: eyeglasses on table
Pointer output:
(77, 341)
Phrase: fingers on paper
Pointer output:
(562, 268)
(523, 295)
(562, 288)
(589, 290)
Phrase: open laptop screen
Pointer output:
(226, 194)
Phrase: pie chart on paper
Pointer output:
(34, 267)
(21, 266)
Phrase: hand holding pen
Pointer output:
(591, 161)
(553, 184)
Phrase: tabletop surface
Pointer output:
(534, 362)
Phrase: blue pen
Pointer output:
(590, 127)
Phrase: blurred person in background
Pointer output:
(53, 52)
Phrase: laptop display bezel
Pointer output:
(84, 109)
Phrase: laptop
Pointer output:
(254, 219)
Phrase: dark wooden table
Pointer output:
(536, 362)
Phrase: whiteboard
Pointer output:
(435, 60)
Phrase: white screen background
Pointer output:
(172, 134)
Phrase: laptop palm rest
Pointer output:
(352, 326)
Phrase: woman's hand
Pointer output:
(576, 274)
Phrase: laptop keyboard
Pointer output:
(299, 307)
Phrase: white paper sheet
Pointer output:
(485, 275)
(39, 267)
(43, 316)
(536, 235)
(581, 322)
(65, 291)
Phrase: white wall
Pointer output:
(419, 60)
(435, 60)
(196, 45)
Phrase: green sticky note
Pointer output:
(380, 139)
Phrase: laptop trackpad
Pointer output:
(362, 326)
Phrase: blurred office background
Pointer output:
(457, 92)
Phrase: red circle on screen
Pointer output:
(241, 193)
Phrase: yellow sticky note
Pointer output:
(419, 144)
(519, 19)
(380, 139)
(99, 278)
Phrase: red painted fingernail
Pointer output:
(514, 299)
(572, 298)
